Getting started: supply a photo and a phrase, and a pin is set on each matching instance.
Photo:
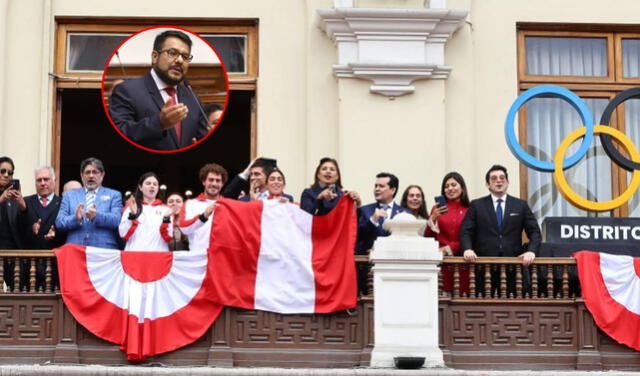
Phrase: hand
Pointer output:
(527, 258)
(131, 203)
(241, 195)
(246, 170)
(5, 195)
(446, 251)
(17, 195)
(171, 114)
(194, 140)
(379, 213)
(51, 234)
(91, 213)
(80, 212)
(355, 197)
(36, 227)
(327, 194)
(209, 210)
(469, 255)
(438, 212)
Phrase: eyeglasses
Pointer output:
(6, 171)
(173, 54)
(497, 177)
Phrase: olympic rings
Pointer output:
(579, 201)
(586, 133)
(611, 151)
(553, 91)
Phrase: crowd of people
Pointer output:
(93, 215)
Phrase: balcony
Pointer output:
(544, 327)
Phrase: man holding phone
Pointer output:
(12, 207)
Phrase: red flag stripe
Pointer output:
(610, 316)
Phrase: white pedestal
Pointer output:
(405, 285)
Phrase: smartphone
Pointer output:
(15, 184)
(441, 201)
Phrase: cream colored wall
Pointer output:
(24, 135)
(304, 112)
(484, 80)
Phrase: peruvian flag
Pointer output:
(147, 302)
(274, 256)
(611, 291)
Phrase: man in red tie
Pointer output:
(42, 210)
(156, 111)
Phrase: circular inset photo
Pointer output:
(165, 89)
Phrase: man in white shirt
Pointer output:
(197, 214)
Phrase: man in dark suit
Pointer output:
(157, 111)
(493, 226)
(12, 208)
(40, 231)
(372, 216)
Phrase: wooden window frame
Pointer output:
(117, 25)
(594, 87)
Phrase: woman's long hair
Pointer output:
(138, 194)
(422, 210)
(464, 197)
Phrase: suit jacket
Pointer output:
(16, 222)
(35, 212)
(479, 230)
(102, 231)
(234, 187)
(367, 231)
(135, 106)
(309, 201)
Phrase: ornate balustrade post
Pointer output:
(405, 285)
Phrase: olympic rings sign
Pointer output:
(561, 163)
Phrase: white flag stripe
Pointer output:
(621, 280)
(285, 281)
(146, 300)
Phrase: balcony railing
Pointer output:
(535, 318)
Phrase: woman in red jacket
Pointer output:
(444, 225)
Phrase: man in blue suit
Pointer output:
(157, 110)
(371, 217)
(91, 214)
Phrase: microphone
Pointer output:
(120, 63)
(204, 116)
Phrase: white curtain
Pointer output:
(550, 120)
(632, 129)
(630, 57)
(566, 56)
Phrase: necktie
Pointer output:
(499, 213)
(44, 201)
(172, 100)
(90, 199)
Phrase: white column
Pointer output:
(405, 286)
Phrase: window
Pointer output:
(596, 65)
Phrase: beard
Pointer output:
(164, 76)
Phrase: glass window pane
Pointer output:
(232, 51)
(566, 56)
(631, 58)
(549, 121)
(632, 127)
(90, 52)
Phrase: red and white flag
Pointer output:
(147, 302)
(276, 257)
(611, 291)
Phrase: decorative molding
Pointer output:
(391, 47)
